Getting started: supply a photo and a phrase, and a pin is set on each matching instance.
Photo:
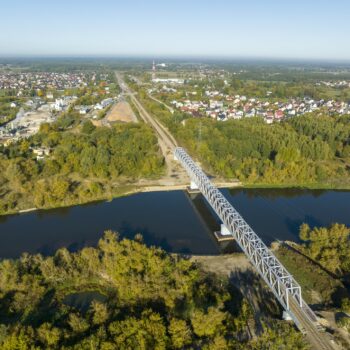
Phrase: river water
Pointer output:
(173, 220)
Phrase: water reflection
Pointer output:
(273, 193)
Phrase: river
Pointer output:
(172, 220)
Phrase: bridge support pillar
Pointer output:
(193, 188)
(286, 316)
(224, 234)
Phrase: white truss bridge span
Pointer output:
(280, 281)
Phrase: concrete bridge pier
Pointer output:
(193, 188)
(224, 234)
(286, 316)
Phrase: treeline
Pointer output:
(7, 113)
(321, 263)
(147, 300)
(318, 286)
(329, 248)
(283, 90)
(311, 150)
(273, 91)
(84, 163)
(286, 73)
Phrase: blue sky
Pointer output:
(315, 29)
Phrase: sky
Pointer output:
(290, 29)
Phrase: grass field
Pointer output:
(317, 285)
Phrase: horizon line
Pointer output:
(177, 57)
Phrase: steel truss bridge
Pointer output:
(280, 281)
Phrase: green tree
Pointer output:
(60, 188)
(88, 127)
(99, 312)
(49, 336)
(77, 323)
(328, 245)
(180, 333)
(345, 305)
(207, 324)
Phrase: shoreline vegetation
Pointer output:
(72, 299)
(128, 190)
(84, 164)
(134, 296)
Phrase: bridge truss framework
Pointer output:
(279, 280)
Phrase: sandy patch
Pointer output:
(121, 112)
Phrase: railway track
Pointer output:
(317, 338)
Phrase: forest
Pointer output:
(306, 151)
(84, 163)
(139, 298)
(330, 246)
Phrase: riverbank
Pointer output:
(165, 185)
(126, 190)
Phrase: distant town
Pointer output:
(42, 81)
(203, 101)
(35, 98)
(225, 107)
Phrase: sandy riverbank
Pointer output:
(156, 186)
